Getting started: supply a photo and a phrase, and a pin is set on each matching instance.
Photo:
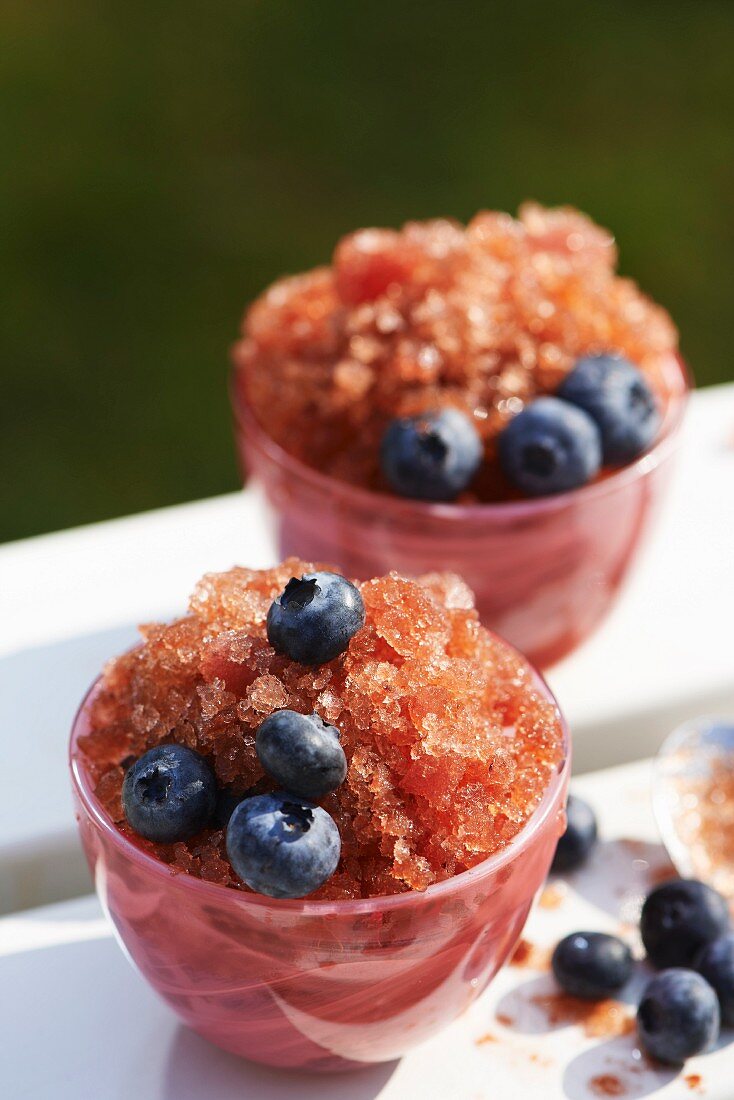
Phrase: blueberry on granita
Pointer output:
(550, 447)
(431, 457)
(591, 965)
(227, 802)
(282, 845)
(679, 918)
(169, 794)
(618, 398)
(579, 839)
(315, 617)
(678, 1016)
(302, 753)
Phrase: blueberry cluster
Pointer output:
(604, 414)
(685, 929)
(280, 843)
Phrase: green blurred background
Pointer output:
(163, 162)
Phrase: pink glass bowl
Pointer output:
(544, 572)
(315, 985)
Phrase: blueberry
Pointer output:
(678, 919)
(227, 803)
(228, 800)
(315, 618)
(579, 838)
(715, 963)
(282, 845)
(169, 794)
(678, 1016)
(591, 965)
(302, 753)
(431, 457)
(550, 447)
(617, 397)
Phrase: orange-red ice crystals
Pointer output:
(483, 317)
(449, 742)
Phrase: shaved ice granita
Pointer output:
(481, 319)
(318, 811)
(449, 743)
(451, 397)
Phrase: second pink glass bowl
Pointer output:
(544, 572)
(323, 986)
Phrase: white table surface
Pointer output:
(68, 601)
(77, 1022)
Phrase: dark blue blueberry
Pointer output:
(617, 397)
(550, 447)
(678, 1016)
(315, 618)
(302, 753)
(431, 457)
(282, 845)
(579, 837)
(591, 965)
(169, 794)
(228, 801)
(678, 919)
(715, 963)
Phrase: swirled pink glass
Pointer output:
(317, 985)
(544, 572)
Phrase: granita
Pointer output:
(481, 320)
(704, 818)
(447, 743)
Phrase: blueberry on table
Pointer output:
(315, 617)
(715, 963)
(282, 845)
(579, 838)
(591, 965)
(301, 753)
(430, 457)
(678, 919)
(678, 1016)
(550, 447)
(169, 794)
(617, 397)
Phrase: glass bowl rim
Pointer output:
(354, 496)
(348, 907)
